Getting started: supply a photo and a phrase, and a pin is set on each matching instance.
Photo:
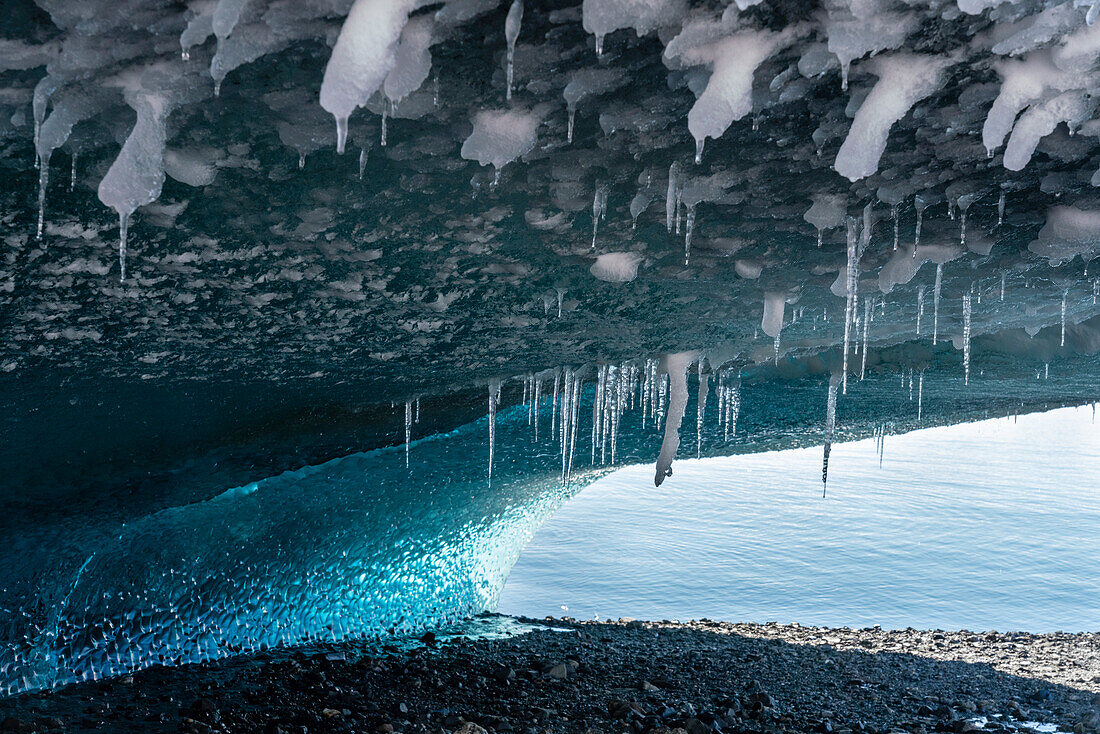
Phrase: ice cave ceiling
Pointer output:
(528, 186)
(256, 249)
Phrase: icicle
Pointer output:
(574, 413)
(920, 395)
(881, 444)
(123, 227)
(1065, 294)
(408, 434)
(599, 211)
(554, 402)
(599, 44)
(699, 143)
(561, 295)
(672, 197)
(920, 206)
(920, 307)
(563, 430)
(894, 216)
(857, 242)
(679, 198)
(734, 408)
(43, 180)
(962, 227)
(936, 303)
(845, 65)
(494, 400)
(677, 366)
(72, 174)
(820, 236)
(662, 393)
(700, 409)
(384, 115)
(362, 162)
(776, 347)
(597, 407)
(217, 87)
(301, 161)
(417, 418)
(729, 405)
(866, 324)
(1003, 277)
(624, 394)
(1001, 209)
(687, 234)
(511, 33)
(538, 404)
(966, 338)
(830, 428)
(569, 129)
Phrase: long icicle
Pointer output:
(830, 428)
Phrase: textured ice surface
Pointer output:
(357, 546)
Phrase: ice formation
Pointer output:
(364, 54)
(1068, 232)
(500, 137)
(826, 212)
(602, 17)
(676, 366)
(511, 34)
(616, 267)
(903, 79)
(136, 176)
(728, 93)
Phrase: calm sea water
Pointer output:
(988, 525)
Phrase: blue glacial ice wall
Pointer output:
(357, 546)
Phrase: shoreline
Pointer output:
(610, 677)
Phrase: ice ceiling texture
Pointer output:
(244, 237)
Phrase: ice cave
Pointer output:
(314, 311)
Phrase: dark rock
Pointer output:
(694, 726)
(559, 671)
(470, 727)
(619, 709)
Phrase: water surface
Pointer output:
(986, 525)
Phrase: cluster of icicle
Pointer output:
(648, 385)
(656, 387)
(1045, 55)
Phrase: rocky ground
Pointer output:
(612, 677)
